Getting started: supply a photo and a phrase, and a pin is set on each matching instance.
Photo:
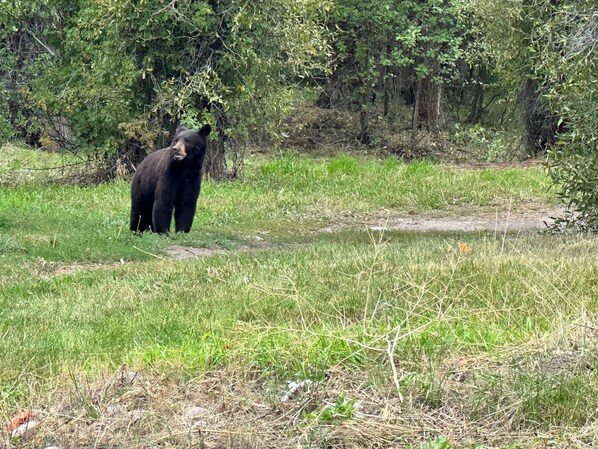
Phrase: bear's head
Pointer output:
(188, 143)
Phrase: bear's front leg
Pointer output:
(162, 215)
(184, 212)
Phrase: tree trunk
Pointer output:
(324, 100)
(215, 161)
(364, 108)
(388, 96)
(540, 126)
(439, 117)
(385, 98)
(386, 86)
(477, 103)
(364, 137)
(430, 108)
(416, 109)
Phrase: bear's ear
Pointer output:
(181, 128)
(205, 130)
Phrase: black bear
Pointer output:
(169, 179)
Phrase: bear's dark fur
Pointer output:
(169, 179)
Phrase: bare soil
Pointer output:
(46, 270)
(253, 243)
(499, 222)
(458, 221)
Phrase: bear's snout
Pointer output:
(180, 152)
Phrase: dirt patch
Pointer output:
(495, 165)
(252, 244)
(532, 219)
(503, 222)
(47, 270)
(190, 252)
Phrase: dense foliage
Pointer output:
(119, 75)
(549, 51)
(569, 62)
(393, 47)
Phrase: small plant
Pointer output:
(343, 164)
(489, 145)
(438, 443)
(343, 408)
(7, 243)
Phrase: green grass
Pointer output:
(288, 196)
(79, 293)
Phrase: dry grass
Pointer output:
(243, 409)
(23, 166)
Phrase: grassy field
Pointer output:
(408, 340)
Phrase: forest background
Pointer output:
(110, 80)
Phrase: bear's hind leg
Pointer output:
(141, 220)
(141, 214)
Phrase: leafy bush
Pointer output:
(570, 63)
(115, 78)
